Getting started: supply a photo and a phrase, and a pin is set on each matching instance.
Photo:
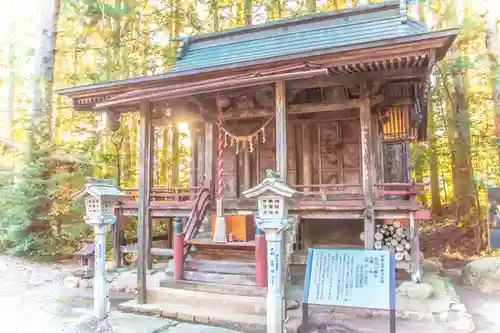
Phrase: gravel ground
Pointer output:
(34, 299)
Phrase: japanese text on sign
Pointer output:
(357, 278)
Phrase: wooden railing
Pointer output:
(339, 192)
(200, 209)
(404, 191)
(165, 193)
(327, 192)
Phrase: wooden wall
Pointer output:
(319, 152)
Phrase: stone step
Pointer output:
(299, 258)
(234, 279)
(220, 266)
(206, 316)
(252, 305)
(216, 288)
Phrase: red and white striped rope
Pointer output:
(220, 160)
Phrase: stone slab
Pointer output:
(233, 303)
(119, 322)
(187, 328)
(226, 319)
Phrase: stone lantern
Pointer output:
(272, 197)
(100, 200)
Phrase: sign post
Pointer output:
(273, 220)
(351, 278)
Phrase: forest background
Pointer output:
(47, 149)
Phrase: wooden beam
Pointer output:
(356, 79)
(295, 109)
(366, 163)
(323, 107)
(281, 165)
(143, 202)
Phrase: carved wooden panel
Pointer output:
(395, 163)
(329, 152)
(338, 153)
(350, 156)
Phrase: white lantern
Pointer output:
(272, 197)
(100, 200)
(272, 204)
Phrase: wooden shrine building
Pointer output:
(331, 101)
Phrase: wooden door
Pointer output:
(267, 153)
(338, 152)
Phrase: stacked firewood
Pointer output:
(393, 237)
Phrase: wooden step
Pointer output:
(252, 305)
(216, 288)
(234, 279)
(243, 253)
(220, 266)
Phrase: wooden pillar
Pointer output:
(281, 165)
(117, 239)
(260, 258)
(143, 203)
(247, 175)
(366, 165)
(193, 168)
(178, 249)
(375, 145)
(307, 156)
(209, 152)
(201, 155)
(175, 155)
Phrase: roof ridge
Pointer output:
(299, 19)
(340, 26)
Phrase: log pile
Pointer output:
(393, 237)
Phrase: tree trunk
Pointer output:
(247, 4)
(43, 79)
(9, 91)
(494, 53)
(433, 159)
(214, 4)
(311, 6)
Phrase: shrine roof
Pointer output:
(311, 38)
(296, 36)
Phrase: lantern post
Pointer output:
(272, 197)
(100, 200)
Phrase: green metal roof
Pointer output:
(296, 36)
(98, 188)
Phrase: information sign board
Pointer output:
(351, 278)
(494, 216)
